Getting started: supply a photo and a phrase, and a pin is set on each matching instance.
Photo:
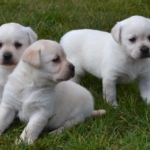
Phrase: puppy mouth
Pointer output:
(69, 76)
(8, 63)
(141, 56)
(144, 56)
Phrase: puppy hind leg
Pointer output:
(68, 124)
(97, 113)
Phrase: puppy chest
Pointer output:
(128, 76)
(130, 71)
(37, 102)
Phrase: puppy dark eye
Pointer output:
(1, 45)
(57, 59)
(149, 37)
(18, 45)
(132, 40)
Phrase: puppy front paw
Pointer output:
(26, 141)
(113, 103)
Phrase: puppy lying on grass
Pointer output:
(35, 92)
(119, 57)
(14, 39)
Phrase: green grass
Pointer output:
(125, 128)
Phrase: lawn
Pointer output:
(126, 127)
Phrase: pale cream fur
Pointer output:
(35, 93)
(14, 39)
(121, 56)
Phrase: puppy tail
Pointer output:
(97, 113)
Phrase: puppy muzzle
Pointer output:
(68, 74)
(145, 51)
(7, 59)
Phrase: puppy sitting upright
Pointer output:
(34, 92)
(14, 39)
(119, 57)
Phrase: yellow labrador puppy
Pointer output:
(14, 39)
(119, 57)
(35, 92)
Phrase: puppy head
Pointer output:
(133, 34)
(49, 59)
(14, 39)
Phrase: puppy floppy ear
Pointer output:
(116, 32)
(32, 35)
(32, 57)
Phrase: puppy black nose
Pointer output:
(144, 49)
(72, 67)
(7, 56)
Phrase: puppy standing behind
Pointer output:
(119, 57)
(34, 92)
(14, 39)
